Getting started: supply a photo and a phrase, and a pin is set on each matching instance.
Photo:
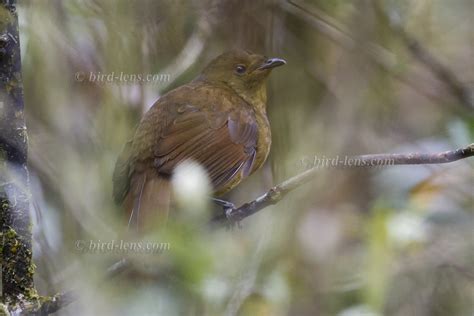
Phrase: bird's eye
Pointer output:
(240, 69)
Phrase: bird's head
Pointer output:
(242, 71)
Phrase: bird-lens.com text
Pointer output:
(121, 246)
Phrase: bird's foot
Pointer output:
(228, 208)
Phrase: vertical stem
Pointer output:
(17, 266)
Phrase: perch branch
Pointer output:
(275, 194)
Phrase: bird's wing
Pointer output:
(222, 138)
(223, 143)
(217, 130)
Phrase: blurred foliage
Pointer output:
(384, 241)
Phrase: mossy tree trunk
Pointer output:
(19, 296)
(17, 265)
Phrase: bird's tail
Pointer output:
(147, 202)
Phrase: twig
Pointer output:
(386, 60)
(337, 32)
(56, 303)
(458, 89)
(117, 268)
(275, 194)
(41, 307)
(447, 76)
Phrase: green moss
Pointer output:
(48, 299)
(11, 241)
(32, 295)
(11, 233)
(5, 19)
(3, 154)
(4, 310)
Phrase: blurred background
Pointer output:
(362, 76)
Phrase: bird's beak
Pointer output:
(272, 63)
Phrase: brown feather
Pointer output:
(222, 141)
(148, 203)
(218, 120)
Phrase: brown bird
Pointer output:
(218, 120)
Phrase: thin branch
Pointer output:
(56, 303)
(275, 194)
(461, 92)
(458, 89)
(44, 305)
(384, 59)
(338, 32)
(117, 268)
